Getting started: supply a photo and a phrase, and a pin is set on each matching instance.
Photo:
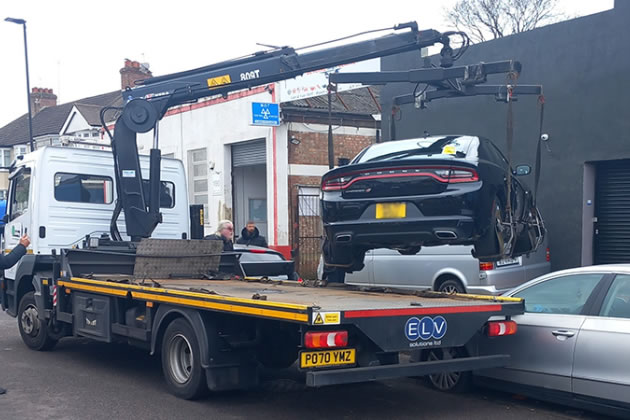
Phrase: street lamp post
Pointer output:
(28, 86)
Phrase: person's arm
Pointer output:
(8, 261)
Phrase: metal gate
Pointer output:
(309, 231)
(612, 209)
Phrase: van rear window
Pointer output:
(82, 188)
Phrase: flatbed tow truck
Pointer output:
(214, 334)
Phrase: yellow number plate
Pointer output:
(311, 359)
(391, 210)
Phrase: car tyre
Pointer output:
(33, 330)
(491, 245)
(412, 250)
(181, 361)
(451, 285)
(455, 382)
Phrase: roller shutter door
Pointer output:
(249, 153)
(612, 234)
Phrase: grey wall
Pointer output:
(584, 66)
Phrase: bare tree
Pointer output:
(490, 19)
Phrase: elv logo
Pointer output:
(425, 328)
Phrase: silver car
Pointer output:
(573, 342)
(448, 268)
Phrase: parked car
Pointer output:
(448, 268)
(572, 342)
(440, 190)
(257, 261)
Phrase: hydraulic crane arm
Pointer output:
(148, 102)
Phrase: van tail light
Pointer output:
(547, 255)
(500, 328)
(325, 339)
(486, 266)
(443, 174)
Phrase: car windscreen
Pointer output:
(440, 147)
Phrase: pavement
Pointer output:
(83, 379)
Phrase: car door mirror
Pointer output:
(522, 170)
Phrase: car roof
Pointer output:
(602, 268)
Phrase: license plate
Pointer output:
(509, 261)
(311, 359)
(391, 210)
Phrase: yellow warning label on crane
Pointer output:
(219, 80)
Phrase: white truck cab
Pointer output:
(58, 195)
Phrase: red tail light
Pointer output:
(257, 251)
(443, 174)
(325, 339)
(547, 255)
(500, 328)
(485, 266)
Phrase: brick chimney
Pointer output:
(132, 72)
(42, 98)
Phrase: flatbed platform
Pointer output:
(291, 300)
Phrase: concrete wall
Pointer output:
(583, 65)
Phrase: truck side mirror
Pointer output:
(5, 218)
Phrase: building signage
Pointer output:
(265, 113)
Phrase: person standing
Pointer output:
(225, 233)
(8, 261)
(251, 236)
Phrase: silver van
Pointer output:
(448, 268)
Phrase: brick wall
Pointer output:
(313, 147)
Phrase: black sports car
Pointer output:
(425, 192)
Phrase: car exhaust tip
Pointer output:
(343, 238)
(445, 234)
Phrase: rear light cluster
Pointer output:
(500, 328)
(486, 266)
(547, 255)
(443, 174)
(325, 339)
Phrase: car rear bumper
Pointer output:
(402, 232)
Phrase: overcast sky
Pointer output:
(77, 47)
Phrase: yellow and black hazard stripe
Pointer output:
(254, 307)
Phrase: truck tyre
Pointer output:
(448, 381)
(33, 330)
(181, 361)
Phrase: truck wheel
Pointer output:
(33, 330)
(448, 381)
(181, 361)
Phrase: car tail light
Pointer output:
(547, 255)
(485, 266)
(444, 174)
(500, 328)
(257, 251)
(325, 339)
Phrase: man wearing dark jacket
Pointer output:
(8, 261)
(225, 233)
(251, 236)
